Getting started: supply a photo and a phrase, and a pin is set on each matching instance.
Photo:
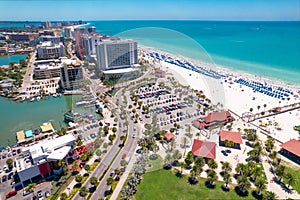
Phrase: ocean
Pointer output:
(270, 49)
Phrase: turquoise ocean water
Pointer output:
(269, 49)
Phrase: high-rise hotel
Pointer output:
(114, 53)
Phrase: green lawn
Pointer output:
(163, 184)
(155, 164)
(295, 171)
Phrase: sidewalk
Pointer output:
(123, 178)
(82, 172)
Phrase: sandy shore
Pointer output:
(237, 97)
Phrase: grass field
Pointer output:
(163, 184)
(295, 171)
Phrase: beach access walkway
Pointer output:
(250, 117)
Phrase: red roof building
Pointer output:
(212, 119)
(204, 149)
(231, 136)
(292, 146)
(169, 136)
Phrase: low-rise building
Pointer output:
(41, 159)
(48, 50)
(3, 50)
(53, 39)
(44, 69)
(21, 36)
(213, 119)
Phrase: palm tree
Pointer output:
(228, 143)
(265, 105)
(195, 172)
(227, 179)
(290, 179)
(199, 162)
(243, 183)
(212, 177)
(273, 155)
(258, 107)
(168, 160)
(269, 195)
(256, 172)
(269, 143)
(226, 167)
(279, 171)
(184, 142)
(212, 164)
(176, 155)
(260, 185)
(240, 168)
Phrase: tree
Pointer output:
(184, 142)
(199, 163)
(63, 196)
(189, 158)
(227, 179)
(98, 142)
(241, 169)
(9, 162)
(243, 183)
(212, 164)
(105, 129)
(168, 160)
(290, 179)
(83, 191)
(212, 177)
(112, 137)
(195, 172)
(109, 181)
(269, 196)
(256, 172)
(228, 143)
(177, 155)
(114, 130)
(94, 181)
(269, 144)
(75, 166)
(31, 187)
(87, 167)
(273, 155)
(226, 167)
(279, 171)
(251, 109)
(78, 178)
(260, 184)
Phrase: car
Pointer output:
(3, 155)
(4, 178)
(14, 152)
(93, 135)
(18, 151)
(0, 170)
(26, 192)
(11, 194)
(5, 168)
(47, 194)
(40, 195)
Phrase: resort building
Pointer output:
(116, 53)
(160, 73)
(235, 137)
(41, 159)
(46, 24)
(47, 32)
(48, 50)
(291, 150)
(21, 36)
(213, 119)
(89, 45)
(3, 50)
(204, 149)
(52, 39)
(68, 32)
(44, 69)
(71, 74)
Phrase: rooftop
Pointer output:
(120, 71)
(204, 149)
(231, 136)
(292, 146)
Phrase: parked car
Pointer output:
(26, 192)
(40, 195)
(47, 194)
(11, 194)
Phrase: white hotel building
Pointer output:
(116, 56)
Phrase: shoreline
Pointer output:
(226, 70)
(235, 96)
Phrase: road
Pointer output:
(27, 78)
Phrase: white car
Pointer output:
(5, 168)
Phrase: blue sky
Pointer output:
(153, 9)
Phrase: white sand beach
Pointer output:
(237, 97)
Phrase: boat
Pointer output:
(54, 95)
(38, 98)
(16, 98)
(22, 99)
(32, 99)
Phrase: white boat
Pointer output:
(38, 98)
(32, 99)
(22, 99)
(54, 95)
